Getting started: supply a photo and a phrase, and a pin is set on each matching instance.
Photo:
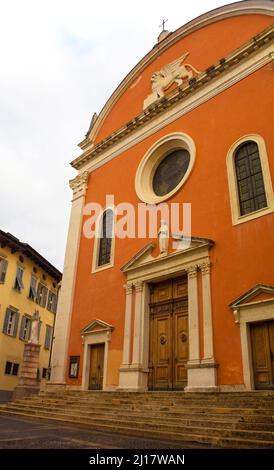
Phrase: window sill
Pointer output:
(102, 268)
(253, 215)
(16, 290)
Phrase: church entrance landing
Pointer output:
(168, 344)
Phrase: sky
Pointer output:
(59, 63)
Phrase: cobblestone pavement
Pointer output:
(21, 433)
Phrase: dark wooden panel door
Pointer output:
(180, 351)
(168, 335)
(262, 343)
(97, 352)
(160, 344)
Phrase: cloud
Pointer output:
(60, 61)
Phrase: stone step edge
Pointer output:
(194, 439)
(218, 419)
(144, 408)
(108, 422)
(173, 415)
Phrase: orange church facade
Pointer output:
(192, 123)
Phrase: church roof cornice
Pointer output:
(172, 98)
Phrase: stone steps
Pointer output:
(227, 419)
(265, 431)
(243, 420)
(195, 439)
(131, 407)
(168, 403)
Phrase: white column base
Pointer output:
(201, 376)
(133, 378)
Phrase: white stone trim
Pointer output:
(66, 296)
(152, 159)
(193, 320)
(92, 338)
(237, 218)
(207, 312)
(134, 376)
(96, 246)
(127, 330)
(138, 320)
(248, 314)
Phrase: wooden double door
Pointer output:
(168, 346)
(96, 370)
(262, 345)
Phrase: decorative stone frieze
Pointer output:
(79, 185)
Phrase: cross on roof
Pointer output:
(162, 25)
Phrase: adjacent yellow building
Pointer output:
(28, 283)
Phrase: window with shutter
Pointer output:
(11, 322)
(42, 293)
(6, 321)
(251, 189)
(52, 302)
(18, 285)
(11, 368)
(106, 238)
(25, 329)
(44, 297)
(32, 290)
(8, 368)
(16, 323)
(3, 270)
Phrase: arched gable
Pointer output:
(234, 24)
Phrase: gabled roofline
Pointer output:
(261, 7)
(181, 93)
(7, 239)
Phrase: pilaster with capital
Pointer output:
(65, 301)
(127, 330)
(79, 185)
(193, 316)
(138, 318)
(207, 311)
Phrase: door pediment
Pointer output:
(258, 293)
(97, 326)
(187, 252)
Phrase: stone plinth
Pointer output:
(28, 384)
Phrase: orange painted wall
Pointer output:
(206, 46)
(241, 255)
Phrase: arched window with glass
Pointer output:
(106, 238)
(249, 175)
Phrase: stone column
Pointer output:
(28, 384)
(207, 312)
(133, 376)
(65, 301)
(193, 315)
(138, 318)
(127, 331)
(201, 373)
